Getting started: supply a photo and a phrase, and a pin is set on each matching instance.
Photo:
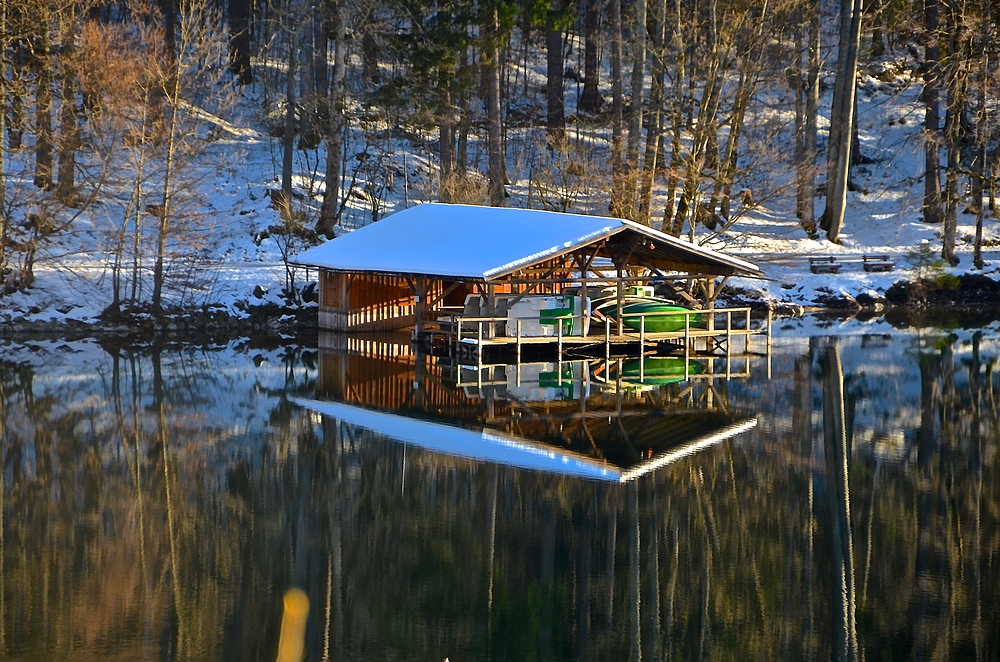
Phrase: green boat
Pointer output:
(661, 316)
(658, 370)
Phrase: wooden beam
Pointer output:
(445, 292)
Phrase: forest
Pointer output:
(679, 114)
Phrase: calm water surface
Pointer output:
(838, 500)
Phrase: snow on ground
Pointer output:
(234, 268)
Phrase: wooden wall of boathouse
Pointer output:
(367, 302)
(390, 377)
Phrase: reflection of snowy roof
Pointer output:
(488, 242)
(506, 449)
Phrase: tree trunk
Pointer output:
(308, 137)
(15, 126)
(590, 98)
(446, 142)
(369, 55)
(69, 134)
(979, 165)
(329, 214)
(704, 134)
(239, 41)
(618, 193)
(168, 8)
(494, 125)
(166, 206)
(638, 82)
(555, 117)
(932, 118)
(956, 85)
(288, 137)
(727, 168)
(799, 90)
(655, 122)
(874, 11)
(808, 221)
(43, 107)
(3, 152)
(464, 122)
(676, 118)
(842, 119)
(749, 75)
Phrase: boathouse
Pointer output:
(404, 270)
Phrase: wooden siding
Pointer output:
(387, 379)
(367, 302)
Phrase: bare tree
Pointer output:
(807, 219)
(191, 78)
(69, 133)
(658, 68)
(330, 212)
(494, 121)
(956, 84)
(42, 66)
(635, 114)
(931, 96)
(590, 98)
(556, 119)
(842, 119)
(239, 41)
(619, 194)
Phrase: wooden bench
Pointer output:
(824, 264)
(878, 263)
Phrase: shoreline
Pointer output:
(300, 326)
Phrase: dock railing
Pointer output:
(716, 326)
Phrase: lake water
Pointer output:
(839, 499)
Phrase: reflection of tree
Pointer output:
(844, 629)
(152, 529)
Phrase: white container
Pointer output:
(540, 315)
(542, 382)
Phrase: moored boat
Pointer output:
(658, 370)
(654, 315)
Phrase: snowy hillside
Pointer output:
(227, 260)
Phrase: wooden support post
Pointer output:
(519, 341)
(729, 347)
(710, 295)
(559, 328)
(642, 337)
(769, 330)
(618, 304)
(768, 344)
(479, 353)
(420, 290)
(491, 307)
(607, 341)
(687, 345)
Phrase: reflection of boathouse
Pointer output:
(467, 276)
(588, 418)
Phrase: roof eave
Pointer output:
(737, 266)
(527, 264)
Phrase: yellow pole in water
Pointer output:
(292, 645)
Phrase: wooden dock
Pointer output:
(479, 340)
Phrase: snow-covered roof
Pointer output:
(486, 243)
